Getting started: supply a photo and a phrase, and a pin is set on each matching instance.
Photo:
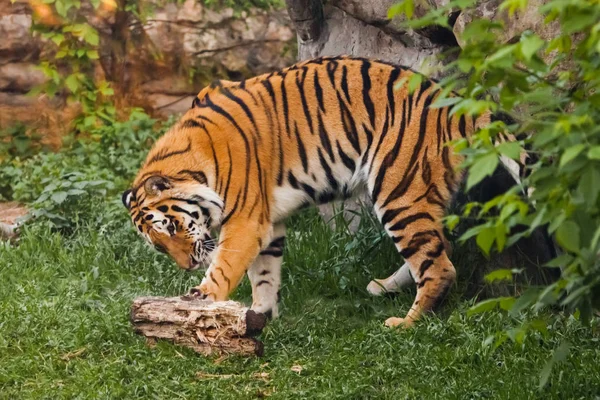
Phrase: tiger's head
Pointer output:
(176, 216)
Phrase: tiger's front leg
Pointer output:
(265, 275)
(240, 242)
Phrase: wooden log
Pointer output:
(206, 327)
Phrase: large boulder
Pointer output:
(363, 28)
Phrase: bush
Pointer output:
(552, 90)
(61, 187)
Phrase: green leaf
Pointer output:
(92, 54)
(506, 303)
(570, 154)
(483, 306)
(61, 8)
(499, 275)
(559, 355)
(72, 83)
(414, 82)
(510, 149)
(396, 9)
(445, 102)
(530, 44)
(589, 185)
(561, 261)
(58, 38)
(406, 7)
(90, 35)
(485, 239)
(483, 167)
(502, 54)
(575, 295)
(89, 121)
(471, 232)
(500, 236)
(59, 197)
(525, 300)
(556, 223)
(567, 236)
(452, 221)
(594, 152)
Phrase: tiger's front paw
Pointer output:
(394, 322)
(196, 292)
(203, 291)
(208, 290)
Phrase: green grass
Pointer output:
(64, 329)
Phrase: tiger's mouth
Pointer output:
(201, 257)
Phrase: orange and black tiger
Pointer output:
(248, 154)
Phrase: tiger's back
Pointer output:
(318, 131)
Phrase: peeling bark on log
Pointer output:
(204, 326)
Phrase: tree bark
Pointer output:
(204, 326)
(307, 16)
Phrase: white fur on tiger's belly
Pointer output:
(287, 200)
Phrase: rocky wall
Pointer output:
(159, 63)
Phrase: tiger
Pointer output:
(249, 154)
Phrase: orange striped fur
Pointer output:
(249, 154)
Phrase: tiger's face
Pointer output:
(176, 217)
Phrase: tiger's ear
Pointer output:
(196, 102)
(214, 87)
(126, 198)
(156, 184)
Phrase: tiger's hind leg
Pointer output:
(398, 280)
(417, 232)
(265, 275)
(393, 283)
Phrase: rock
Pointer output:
(164, 104)
(159, 64)
(16, 43)
(530, 19)
(11, 214)
(191, 11)
(20, 77)
(344, 34)
(375, 13)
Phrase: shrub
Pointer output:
(551, 89)
(62, 186)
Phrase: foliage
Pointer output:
(60, 186)
(75, 37)
(70, 58)
(16, 142)
(552, 90)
